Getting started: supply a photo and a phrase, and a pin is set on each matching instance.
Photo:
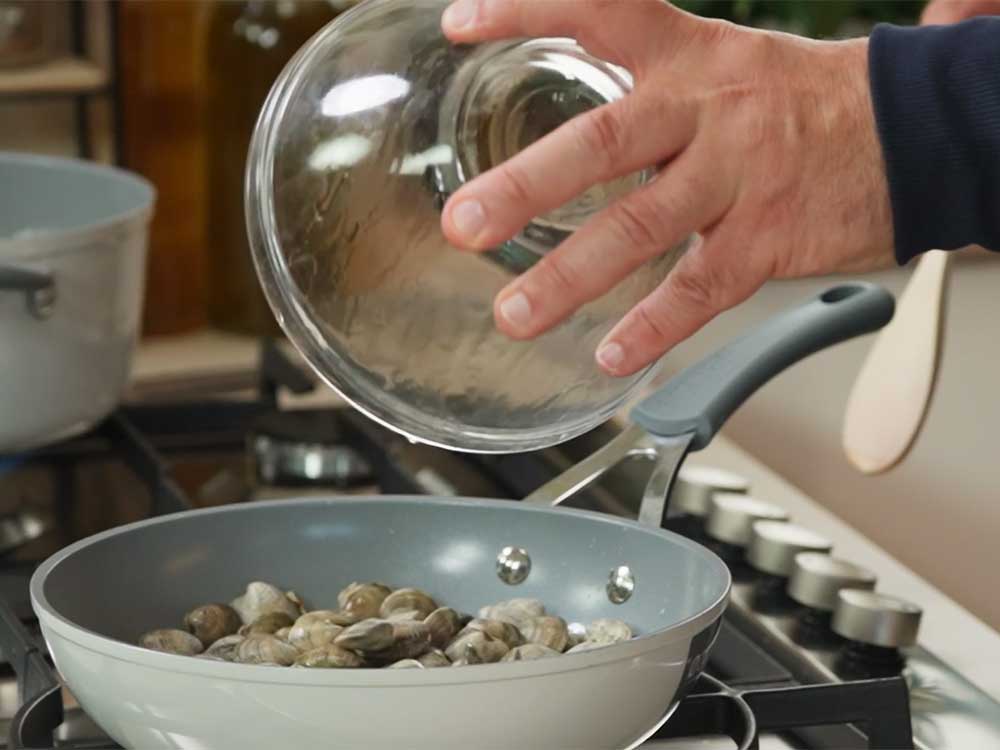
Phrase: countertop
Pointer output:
(208, 359)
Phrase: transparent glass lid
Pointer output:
(373, 124)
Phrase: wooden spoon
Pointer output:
(894, 387)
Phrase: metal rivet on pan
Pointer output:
(621, 584)
(513, 565)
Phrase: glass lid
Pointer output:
(368, 130)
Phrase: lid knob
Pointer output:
(732, 515)
(876, 619)
(817, 578)
(774, 545)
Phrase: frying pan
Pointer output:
(94, 598)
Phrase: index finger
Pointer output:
(625, 32)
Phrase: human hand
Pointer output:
(768, 150)
(954, 11)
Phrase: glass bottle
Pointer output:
(248, 45)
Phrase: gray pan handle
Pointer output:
(38, 287)
(700, 399)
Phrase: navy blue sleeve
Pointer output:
(936, 95)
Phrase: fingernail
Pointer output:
(516, 310)
(469, 218)
(460, 14)
(611, 355)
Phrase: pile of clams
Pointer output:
(375, 626)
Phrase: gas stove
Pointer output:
(813, 652)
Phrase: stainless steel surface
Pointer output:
(817, 578)
(280, 460)
(876, 619)
(629, 442)
(670, 454)
(513, 565)
(733, 515)
(621, 584)
(696, 484)
(774, 545)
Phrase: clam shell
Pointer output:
(607, 631)
(262, 598)
(435, 658)
(171, 641)
(409, 640)
(444, 625)
(268, 624)
(361, 601)
(548, 631)
(498, 630)
(514, 611)
(408, 599)
(406, 664)
(312, 632)
(329, 657)
(225, 648)
(368, 635)
(210, 622)
(265, 649)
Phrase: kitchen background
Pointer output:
(171, 89)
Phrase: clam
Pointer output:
(313, 630)
(265, 649)
(444, 625)
(210, 622)
(295, 599)
(409, 640)
(514, 611)
(477, 651)
(368, 635)
(283, 633)
(225, 648)
(171, 641)
(361, 601)
(434, 658)
(529, 652)
(408, 599)
(329, 656)
(268, 624)
(606, 631)
(497, 630)
(262, 598)
(406, 664)
(456, 649)
(548, 631)
(401, 615)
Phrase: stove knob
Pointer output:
(695, 486)
(816, 579)
(876, 619)
(774, 545)
(733, 515)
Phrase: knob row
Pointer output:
(778, 548)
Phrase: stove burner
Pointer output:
(306, 450)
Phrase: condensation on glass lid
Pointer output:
(364, 136)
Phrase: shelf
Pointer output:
(68, 75)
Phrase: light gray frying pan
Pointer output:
(94, 598)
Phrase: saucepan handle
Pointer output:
(700, 399)
(38, 287)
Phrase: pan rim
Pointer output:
(66, 629)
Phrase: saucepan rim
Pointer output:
(685, 629)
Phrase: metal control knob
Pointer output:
(733, 515)
(774, 545)
(695, 486)
(876, 619)
(817, 578)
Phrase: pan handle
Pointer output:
(700, 399)
(38, 287)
